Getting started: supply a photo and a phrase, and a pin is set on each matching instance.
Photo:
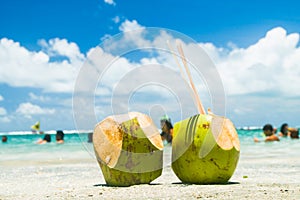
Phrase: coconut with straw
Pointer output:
(205, 147)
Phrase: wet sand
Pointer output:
(255, 178)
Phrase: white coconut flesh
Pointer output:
(224, 132)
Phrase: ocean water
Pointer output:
(21, 149)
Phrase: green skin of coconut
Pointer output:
(196, 157)
(140, 162)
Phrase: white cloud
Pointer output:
(40, 98)
(133, 36)
(2, 111)
(61, 47)
(269, 68)
(21, 67)
(110, 2)
(130, 26)
(1, 98)
(31, 109)
(116, 19)
(270, 65)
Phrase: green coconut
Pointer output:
(205, 149)
(129, 149)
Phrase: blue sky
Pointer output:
(254, 44)
(85, 22)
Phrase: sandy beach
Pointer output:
(263, 177)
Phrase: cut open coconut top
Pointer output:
(224, 132)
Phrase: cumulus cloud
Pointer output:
(1, 98)
(53, 69)
(130, 26)
(272, 65)
(61, 47)
(133, 37)
(268, 67)
(31, 109)
(110, 2)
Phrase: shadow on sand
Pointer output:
(187, 184)
(176, 183)
(105, 185)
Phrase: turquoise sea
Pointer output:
(22, 148)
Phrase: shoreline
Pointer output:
(51, 132)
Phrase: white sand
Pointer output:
(254, 178)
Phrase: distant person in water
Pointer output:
(90, 137)
(46, 139)
(167, 129)
(59, 137)
(294, 133)
(269, 134)
(284, 130)
(4, 138)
